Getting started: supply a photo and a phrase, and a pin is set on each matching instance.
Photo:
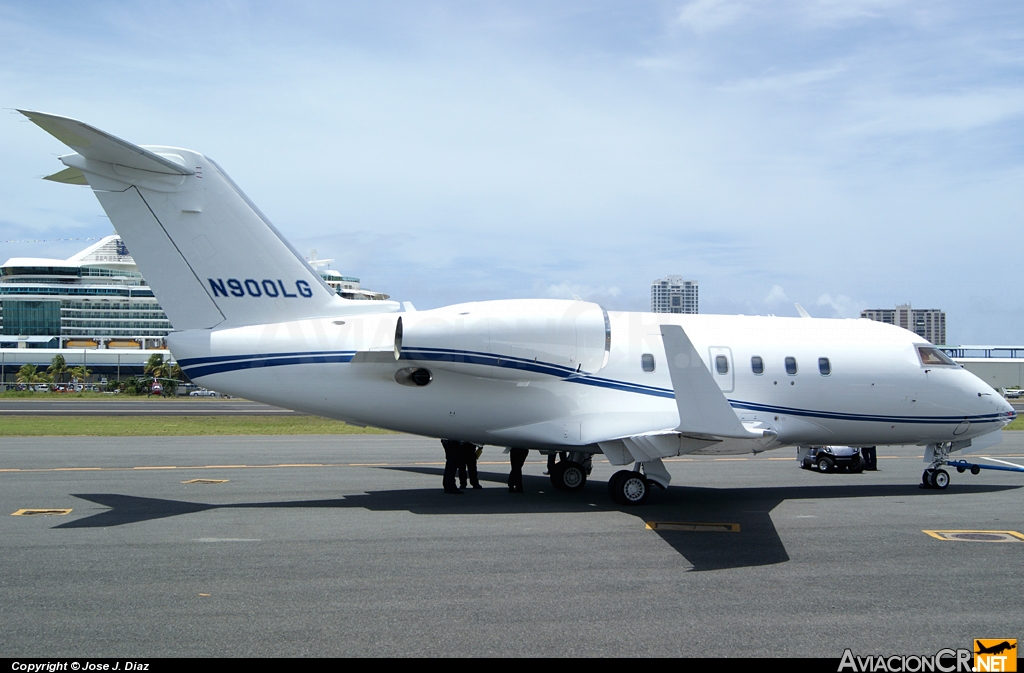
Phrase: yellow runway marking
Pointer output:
(206, 481)
(696, 527)
(32, 512)
(976, 535)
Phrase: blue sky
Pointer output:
(845, 155)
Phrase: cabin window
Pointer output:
(722, 364)
(791, 366)
(824, 366)
(647, 362)
(931, 356)
(757, 365)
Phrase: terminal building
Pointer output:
(672, 294)
(95, 309)
(929, 323)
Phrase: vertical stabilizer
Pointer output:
(209, 254)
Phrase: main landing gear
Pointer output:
(571, 474)
(631, 487)
(626, 487)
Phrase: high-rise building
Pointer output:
(929, 323)
(672, 294)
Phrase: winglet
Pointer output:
(703, 408)
(98, 145)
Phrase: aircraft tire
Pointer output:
(613, 486)
(568, 475)
(629, 488)
(940, 479)
(926, 479)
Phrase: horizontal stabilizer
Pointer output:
(68, 176)
(703, 408)
(98, 145)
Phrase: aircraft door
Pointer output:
(721, 367)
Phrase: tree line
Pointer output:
(167, 374)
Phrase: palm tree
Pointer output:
(27, 374)
(155, 366)
(57, 368)
(80, 373)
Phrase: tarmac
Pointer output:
(346, 546)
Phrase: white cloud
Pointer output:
(776, 296)
(841, 305)
(567, 290)
(702, 16)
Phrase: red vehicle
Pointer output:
(157, 389)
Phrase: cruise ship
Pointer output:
(95, 309)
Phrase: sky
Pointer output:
(844, 154)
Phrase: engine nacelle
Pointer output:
(515, 339)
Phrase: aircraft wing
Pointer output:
(704, 410)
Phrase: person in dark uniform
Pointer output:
(452, 458)
(467, 465)
(870, 458)
(515, 477)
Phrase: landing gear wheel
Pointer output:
(926, 478)
(568, 475)
(825, 464)
(940, 479)
(628, 488)
(613, 486)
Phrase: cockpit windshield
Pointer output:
(931, 357)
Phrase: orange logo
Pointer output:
(993, 654)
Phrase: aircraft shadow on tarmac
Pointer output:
(756, 544)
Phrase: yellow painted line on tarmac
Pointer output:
(228, 466)
(45, 512)
(694, 526)
(206, 481)
(297, 465)
(155, 467)
(76, 469)
(976, 535)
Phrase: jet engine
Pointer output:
(515, 339)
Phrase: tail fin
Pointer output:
(209, 254)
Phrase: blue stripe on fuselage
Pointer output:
(204, 366)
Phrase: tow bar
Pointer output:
(962, 466)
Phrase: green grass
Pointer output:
(1018, 424)
(175, 426)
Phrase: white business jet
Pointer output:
(252, 318)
